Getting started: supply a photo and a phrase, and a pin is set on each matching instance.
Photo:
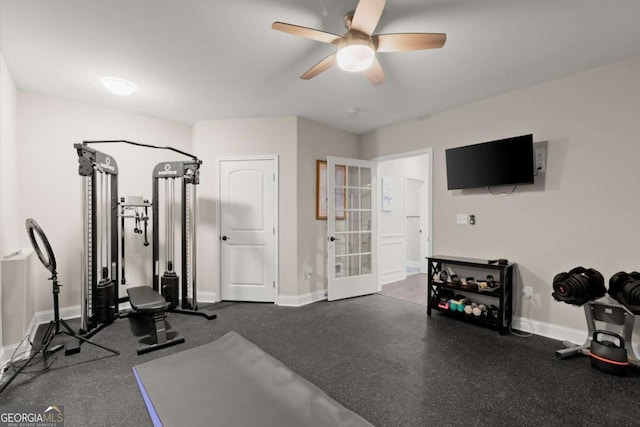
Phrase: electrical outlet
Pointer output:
(527, 292)
(462, 219)
(541, 158)
(308, 273)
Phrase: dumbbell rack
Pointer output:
(503, 297)
(611, 312)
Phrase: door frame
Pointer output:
(429, 210)
(276, 215)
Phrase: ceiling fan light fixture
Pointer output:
(355, 57)
(118, 86)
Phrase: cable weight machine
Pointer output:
(185, 175)
(100, 194)
(98, 292)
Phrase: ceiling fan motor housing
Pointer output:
(356, 51)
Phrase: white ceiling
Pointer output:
(215, 59)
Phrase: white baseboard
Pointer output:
(557, 332)
(46, 316)
(38, 318)
(300, 300)
(392, 276)
(20, 350)
(207, 297)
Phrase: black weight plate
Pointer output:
(577, 270)
(560, 277)
(617, 281)
(635, 293)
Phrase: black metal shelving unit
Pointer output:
(503, 295)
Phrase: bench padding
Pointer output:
(144, 299)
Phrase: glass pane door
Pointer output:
(350, 216)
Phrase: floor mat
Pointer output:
(232, 382)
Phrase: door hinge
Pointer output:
(274, 176)
(274, 230)
(274, 283)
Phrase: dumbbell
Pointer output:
(625, 286)
(579, 285)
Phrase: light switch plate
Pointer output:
(462, 219)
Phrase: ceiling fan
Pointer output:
(356, 49)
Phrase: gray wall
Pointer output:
(8, 177)
(242, 137)
(50, 187)
(583, 211)
(298, 143)
(315, 142)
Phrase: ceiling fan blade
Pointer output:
(401, 42)
(307, 33)
(375, 73)
(367, 15)
(321, 66)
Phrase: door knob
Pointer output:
(332, 239)
(225, 237)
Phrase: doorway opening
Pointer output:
(404, 223)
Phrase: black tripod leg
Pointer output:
(49, 334)
(67, 327)
(83, 339)
(71, 346)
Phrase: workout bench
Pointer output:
(145, 301)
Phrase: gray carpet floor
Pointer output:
(381, 357)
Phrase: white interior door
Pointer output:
(425, 208)
(248, 201)
(351, 219)
(414, 229)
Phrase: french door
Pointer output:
(351, 225)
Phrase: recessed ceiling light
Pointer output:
(118, 86)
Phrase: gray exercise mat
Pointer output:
(232, 382)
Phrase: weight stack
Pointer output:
(104, 309)
(169, 285)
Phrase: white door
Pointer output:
(351, 263)
(248, 202)
(424, 228)
(415, 241)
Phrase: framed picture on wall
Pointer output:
(321, 190)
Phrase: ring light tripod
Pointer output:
(54, 328)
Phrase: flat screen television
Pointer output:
(506, 161)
